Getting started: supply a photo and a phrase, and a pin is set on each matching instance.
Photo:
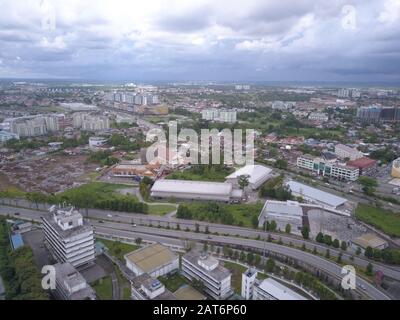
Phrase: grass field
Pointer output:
(101, 190)
(233, 214)
(384, 220)
(118, 249)
(126, 293)
(174, 282)
(161, 209)
(103, 288)
(202, 173)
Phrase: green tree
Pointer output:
(369, 184)
(288, 228)
(242, 256)
(138, 241)
(273, 226)
(243, 181)
(281, 164)
(305, 232)
(250, 258)
(370, 269)
(369, 252)
(358, 251)
(343, 246)
(36, 198)
(270, 265)
(336, 243)
(327, 239)
(320, 237)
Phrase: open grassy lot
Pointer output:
(161, 209)
(104, 196)
(173, 282)
(118, 249)
(101, 190)
(387, 221)
(232, 214)
(103, 288)
(214, 173)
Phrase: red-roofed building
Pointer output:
(365, 165)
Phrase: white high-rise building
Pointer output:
(203, 267)
(68, 236)
(224, 115)
(267, 289)
(343, 152)
(248, 279)
(229, 116)
(90, 122)
(29, 126)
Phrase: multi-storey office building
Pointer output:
(343, 152)
(70, 284)
(216, 279)
(68, 236)
(329, 169)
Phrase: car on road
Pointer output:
(109, 216)
(17, 214)
(209, 238)
(134, 225)
(101, 221)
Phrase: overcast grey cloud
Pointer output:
(262, 40)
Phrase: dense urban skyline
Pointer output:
(180, 40)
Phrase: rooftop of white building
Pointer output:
(316, 194)
(196, 187)
(255, 173)
(283, 207)
(279, 291)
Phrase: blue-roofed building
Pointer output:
(16, 241)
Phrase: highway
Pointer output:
(226, 230)
(177, 238)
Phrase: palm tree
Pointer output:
(243, 182)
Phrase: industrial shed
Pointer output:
(195, 190)
(257, 174)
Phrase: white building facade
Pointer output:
(216, 279)
(68, 237)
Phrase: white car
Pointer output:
(109, 216)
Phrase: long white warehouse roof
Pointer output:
(195, 187)
(316, 194)
(256, 173)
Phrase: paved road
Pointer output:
(178, 238)
(143, 220)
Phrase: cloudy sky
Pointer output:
(226, 40)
